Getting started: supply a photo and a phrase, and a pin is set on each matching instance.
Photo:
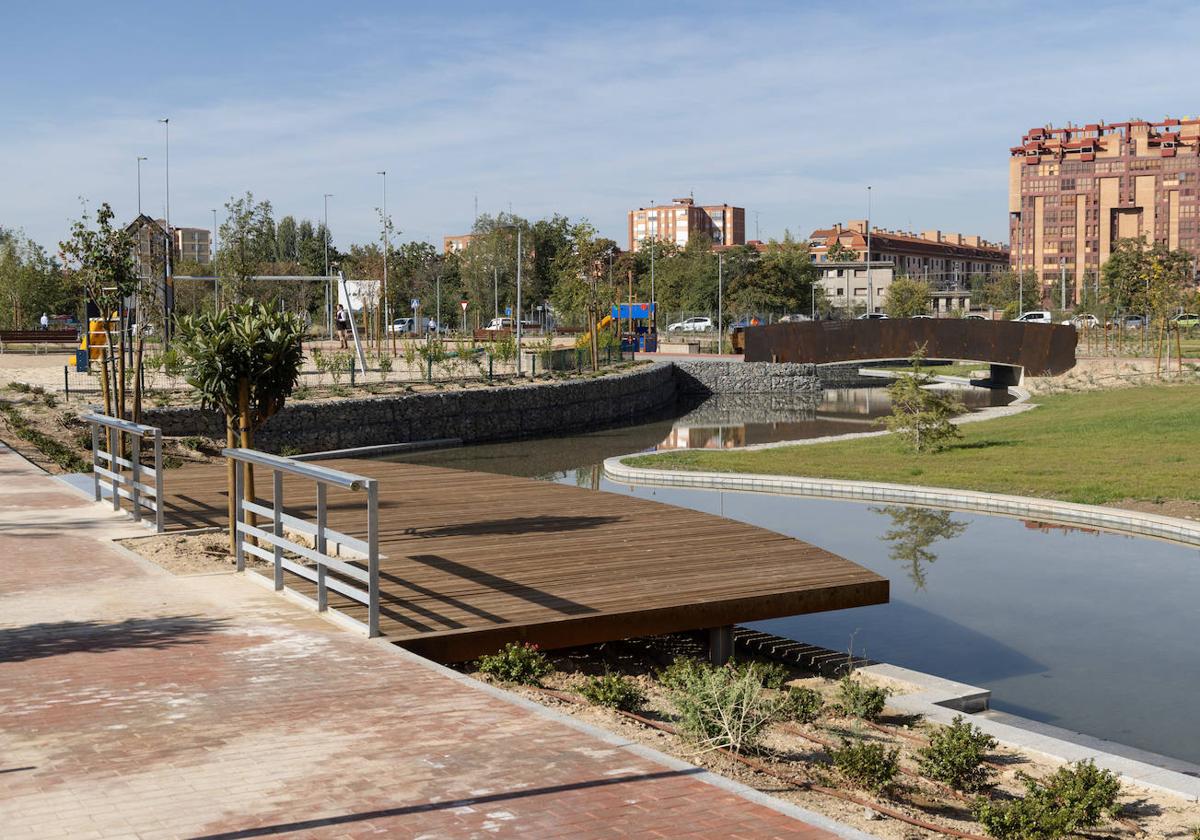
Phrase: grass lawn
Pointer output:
(1094, 447)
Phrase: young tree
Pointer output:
(906, 297)
(31, 282)
(921, 416)
(103, 259)
(243, 361)
(247, 244)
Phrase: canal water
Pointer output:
(1091, 631)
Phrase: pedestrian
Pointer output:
(342, 320)
(45, 321)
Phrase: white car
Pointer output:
(691, 325)
(1036, 316)
(1081, 321)
(872, 316)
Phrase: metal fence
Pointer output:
(112, 477)
(326, 570)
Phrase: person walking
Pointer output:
(45, 321)
(342, 319)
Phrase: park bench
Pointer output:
(38, 338)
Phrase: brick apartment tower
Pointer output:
(1073, 192)
(677, 221)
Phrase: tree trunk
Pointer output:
(231, 480)
(246, 442)
(1179, 349)
(1158, 356)
(137, 379)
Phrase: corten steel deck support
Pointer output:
(720, 644)
(1040, 349)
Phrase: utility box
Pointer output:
(81, 361)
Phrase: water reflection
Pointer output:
(913, 531)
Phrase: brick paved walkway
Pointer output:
(138, 704)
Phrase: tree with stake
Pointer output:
(245, 361)
(103, 258)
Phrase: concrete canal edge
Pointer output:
(940, 699)
(1130, 522)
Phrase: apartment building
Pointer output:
(192, 245)
(456, 243)
(1074, 191)
(946, 260)
(678, 221)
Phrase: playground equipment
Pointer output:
(639, 334)
(95, 339)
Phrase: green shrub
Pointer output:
(195, 442)
(516, 662)
(1074, 797)
(385, 367)
(615, 691)
(859, 700)
(769, 674)
(804, 705)
(866, 764)
(721, 707)
(955, 756)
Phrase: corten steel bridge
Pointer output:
(1009, 346)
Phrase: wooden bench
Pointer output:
(37, 337)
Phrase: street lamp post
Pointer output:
(168, 282)
(653, 297)
(212, 260)
(720, 301)
(386, 245)
(330, 293)
(518, 313)
(139, 168)
(870, 283)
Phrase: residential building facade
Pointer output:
(945, 260)
(678, 221)
(1075, 191)
(192, 245)
(459, 242)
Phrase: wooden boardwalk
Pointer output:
(471, 560)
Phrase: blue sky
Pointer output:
(788, 109)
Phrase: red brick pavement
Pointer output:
(138, 704)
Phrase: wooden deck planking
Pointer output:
(471, 560)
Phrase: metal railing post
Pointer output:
(115, 467)
(238, 482)
(158, 482)
(372, 558)
(319, 543)
(135, 494)
(277, 509)
(95, 460)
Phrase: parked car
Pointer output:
(504, 323)
(792, 319)
(1185, 320)
(927, 317)
(1084, 320)
(406, 325)
(975, 316)
(745, 322)
(1131, 322)
(872, 316)
(1037, 316)
(691, 325)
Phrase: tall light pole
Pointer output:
(519, 261)
(386, 247)
(139, 167)
(1062, 280)
(330, 293)
(168, 283)
(213, 263)
(653, 237)
(1021, 260)
(870, 284)
(720, 301)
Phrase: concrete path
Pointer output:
(134, 703)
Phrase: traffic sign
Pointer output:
(416, 304)
(463, 304)
(508, 311)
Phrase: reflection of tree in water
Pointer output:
(913, 531)
(588, 477)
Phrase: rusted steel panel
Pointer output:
(1042, 349)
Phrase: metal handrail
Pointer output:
(277, 543)
(134, 487)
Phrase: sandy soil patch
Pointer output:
(190, 554)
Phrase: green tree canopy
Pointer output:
(906, 297)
